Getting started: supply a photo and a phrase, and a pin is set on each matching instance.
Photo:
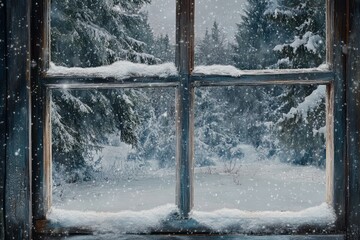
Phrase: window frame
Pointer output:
(42, 83)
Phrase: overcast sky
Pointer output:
(226, 12)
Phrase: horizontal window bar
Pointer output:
(98, 82)
(268, 77)
(187, 227)
(246, 78)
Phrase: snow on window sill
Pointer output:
(163, 219)
(118, 70)
(227, 70)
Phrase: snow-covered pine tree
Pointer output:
(93, 32)
(156, 132)
(303, 26)
(213, 49)
(86, 34)
(301, 130)
(294, 31)
(81, 123)
(255, 37)
(163, 49)
(216, 142)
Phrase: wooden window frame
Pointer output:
(24, 60)
(185, 85)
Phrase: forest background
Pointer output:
(286, 123)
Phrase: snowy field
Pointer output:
(253, 196)
(253, 184)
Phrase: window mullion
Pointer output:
(41, 143)
(336, 174)
(184, 106)
(85, 82)
(261, 78)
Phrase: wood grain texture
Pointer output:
(186, 227)
(353, 118)
(257, 78)
(3, 115)
(91, 83)
(18, 223)
(184, 55)
(198, 237)
(343, 145)
(40, 61)
(249, 78)
(185, 107)
(336, 112)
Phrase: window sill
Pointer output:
(165, 220)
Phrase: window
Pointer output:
(185, 82)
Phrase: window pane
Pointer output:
(95, 33)
(252, 34)
(113, 149)
(260, 148)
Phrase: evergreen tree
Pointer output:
(301, 130)
(213, 49)
(256, 36)
(303, 24)
(156, 131)
(216, 142)
(303, 47)
(283, 34)
(81, 123)
(91, 33)
(163, 50)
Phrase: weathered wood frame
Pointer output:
(26, 187)
(185, 102)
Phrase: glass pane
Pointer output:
(260, 148)
(252, 34)
(113, 149)
(95, 33)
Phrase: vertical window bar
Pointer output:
(336, 112)
(40, 40)
(184, 106)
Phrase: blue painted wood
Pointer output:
(18, 223)
(90, 82)
(184, 106)
(41, 172)
(353, 117)
(185, 147)
(273, 77)
(336, 111)
(250, 78)
(3, 114)
(200, 237)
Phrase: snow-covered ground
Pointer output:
(254, 185)
(261, 186)
(255, 193)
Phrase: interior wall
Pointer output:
(16, 81)
(2, 111)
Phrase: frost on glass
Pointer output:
(96, 33)
(260, 148)
(265, 34)
(113, 149)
